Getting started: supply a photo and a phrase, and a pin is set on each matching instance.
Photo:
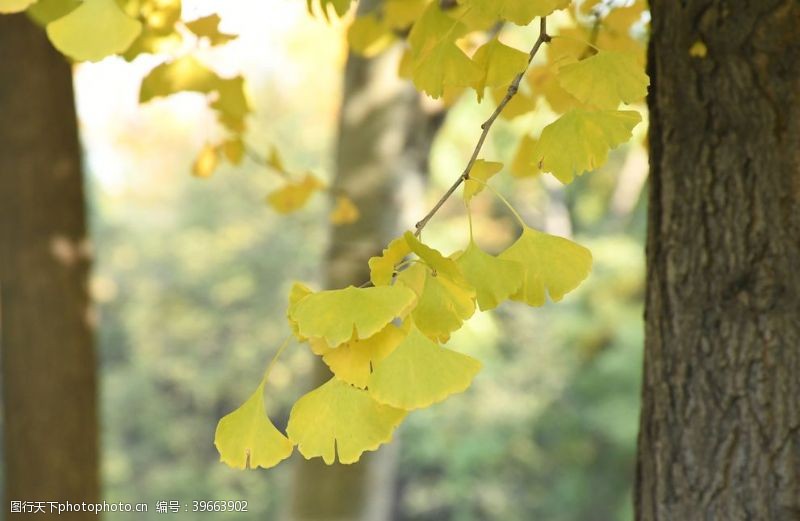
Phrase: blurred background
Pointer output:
(190, 279)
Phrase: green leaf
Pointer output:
(494, 279)
(340, 7)
(551, 265)
(96, 29)
(481, 172)
(499, 65)
(246, 438)
(183, 74)
(605, 79)
(520, 12)
(444, 65)
(580, 140)
(339, 315)
(419, 373)
(337, 418)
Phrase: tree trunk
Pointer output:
(382, 156)
(720, 425)
(48, 360)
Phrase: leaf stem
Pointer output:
(504, 200)
(486, 126)
(272, 362)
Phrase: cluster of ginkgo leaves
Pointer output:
(384, 341)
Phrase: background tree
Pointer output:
(48, 359)
(720, 424)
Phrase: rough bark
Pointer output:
(48, 361)
(720, 426)
(384, 139)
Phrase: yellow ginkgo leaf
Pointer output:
(297, 293)
(381, 268)
(206, 162)
(208, 27)
(499, 64)
(605, 79)
(234, 150)
(275, 162)
(551, 265)
(445, 65)
(494, 279)
(419, 373)
(368, 36)
(480, 173)
(521, 164)
(96, 29)
(353, 361)
(246, 438)
(231, 103)
(443, 303)
(339, 315)
(521, 104)
(400, 14)
(340, 7)
(440, 264)
(580, 140)
(346, 211)
(432, 28)
(520, 12)
(14, 6)
(293, 196)
(338, 419)
(543, 80)
(183, 74)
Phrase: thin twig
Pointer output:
(486, 126)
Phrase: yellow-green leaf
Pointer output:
(340, 7)
(381, 268)
(297, 293)
(445, 65)
(96, 29)
(338, 419)
(369, 36)
(246, 438)
(14, 6)
(294, 195)
(206, 162)
(580, 140)
(353, 361)
(551, 265)
(208, 27)
(480, 173)
(499, 64)
(338, 315)
(521, 164)
(494, 279)
(605, 79)
(234, 150)
(419, 373)
(520, 12)
(183, 74)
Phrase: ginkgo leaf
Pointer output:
(494, 279)
(432, 28)
(381, 268)
(346, 211)
(246, 438)
(551, 265)
(543, 80)
(233, 150)
(294, 195)
(339, 419)
(520, 12)
(206, 162)
(183, 74)
(499, 64)
(419, 373)
(297, 293)
(580, 140)
(338, 315)
(208, 27)
(440, 264)
(400, 14)
(521, 104)
(340, 7)
(521, 164)
(368, 36)
(231, 103)
(96, 29)
(45, 11)
(605, 79)
(275, 162)
(443, 303)
(480, 173)
(444, 65)
(353, 361)
(14, 6)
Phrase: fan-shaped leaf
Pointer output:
(381, 268)
(499, 64)
(605, 79)
(480, 173)
(494, 279)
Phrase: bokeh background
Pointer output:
(191, 276)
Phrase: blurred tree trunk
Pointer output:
(384, 140)
(720, 426)
(48, 360)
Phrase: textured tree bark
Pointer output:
(384, 140)
(720, 425)
(48, 360)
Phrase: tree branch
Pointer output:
(486, 126)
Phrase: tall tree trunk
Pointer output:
(48, 360)
(720, 426)
(382, 154)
